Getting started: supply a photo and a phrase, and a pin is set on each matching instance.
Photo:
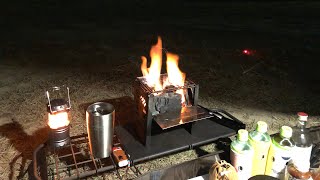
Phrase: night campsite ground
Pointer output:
(95, 49)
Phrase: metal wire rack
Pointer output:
(75, 161)
(187, 84)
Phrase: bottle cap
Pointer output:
(242, 135)
(303, 116)
(262, 126)
(286, 131)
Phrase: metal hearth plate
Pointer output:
(188, 114)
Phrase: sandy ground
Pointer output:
(101, 63)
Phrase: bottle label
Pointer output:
(301, 154)
(261, 150)
(277, 161)
(242, 163)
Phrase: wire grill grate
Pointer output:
(74, 161)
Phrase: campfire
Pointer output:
(164, 100)
(153, 77)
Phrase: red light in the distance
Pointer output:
(246, 52)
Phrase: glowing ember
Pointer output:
(58, 120)
(152, 74)
(143, 101)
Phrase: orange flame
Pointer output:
(58, 120)
(175, 76)
(152, 74)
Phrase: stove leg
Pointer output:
(188, 127)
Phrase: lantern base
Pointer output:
(59, 137)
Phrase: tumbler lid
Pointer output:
(100, 108)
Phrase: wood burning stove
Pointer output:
(169, 118)
(169, 121)
(161, 110)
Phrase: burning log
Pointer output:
(167, 102)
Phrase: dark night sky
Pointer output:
(290, 26)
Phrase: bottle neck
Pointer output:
(302, 124)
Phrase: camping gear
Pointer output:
(100, 118)
(58, 110)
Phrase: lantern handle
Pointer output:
(69, 101)
(49, 101)
(48, 97)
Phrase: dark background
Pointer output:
(91, 35)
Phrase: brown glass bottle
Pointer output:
(316, 174)
(296, 173)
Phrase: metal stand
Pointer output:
(179, 138)
(73, 161)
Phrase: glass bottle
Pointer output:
(316, 174)
(299, 171)
(302, 140)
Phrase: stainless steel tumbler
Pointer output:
(100, 119)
